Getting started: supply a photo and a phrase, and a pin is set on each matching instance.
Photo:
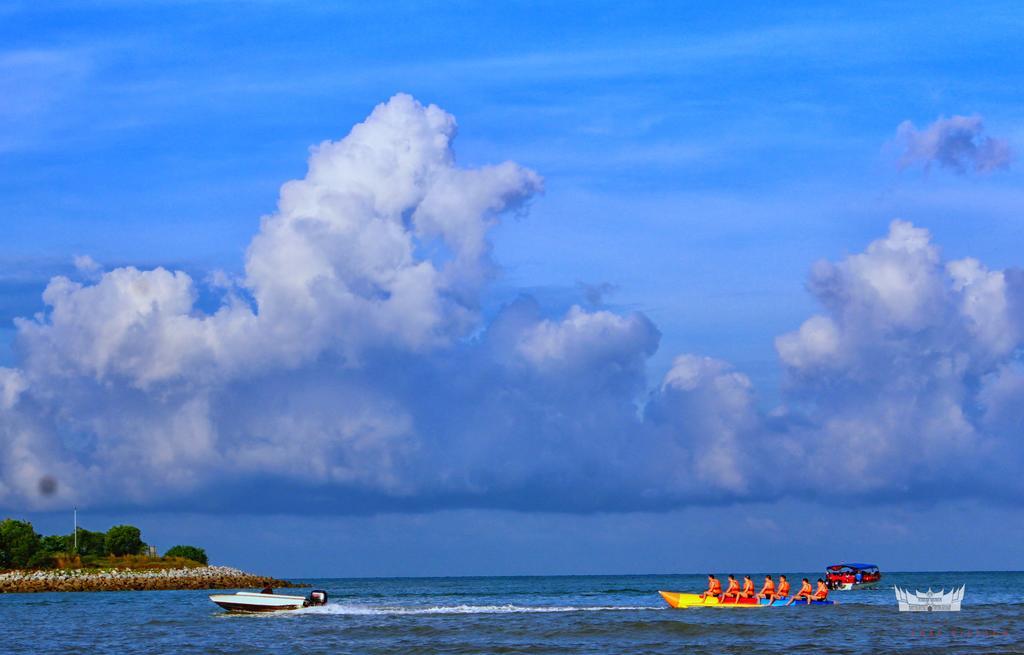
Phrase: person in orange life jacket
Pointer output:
(768, 590)
(714, 587)
(748, 588)
(733, 590)
(804, 593)
(821, 593)
(783, 590)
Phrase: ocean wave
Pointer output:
(369, 610)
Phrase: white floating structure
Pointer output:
(930, 601)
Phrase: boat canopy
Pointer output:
(857, 566)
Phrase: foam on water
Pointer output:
(369, 610)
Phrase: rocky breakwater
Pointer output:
(201, 577)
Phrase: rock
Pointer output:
(205, 577)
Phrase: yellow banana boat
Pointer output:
(681, 600)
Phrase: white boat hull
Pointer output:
(849, 586)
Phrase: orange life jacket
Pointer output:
(768, 588)
(822, 591)
(805, 588)
(734, 587)
(748, 586)
(784, 587)
(714, 587)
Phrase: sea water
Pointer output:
(556, 614)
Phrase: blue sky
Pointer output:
(708, 146)
(698, 162)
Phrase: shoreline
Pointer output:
(201, 577)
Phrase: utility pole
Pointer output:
(76, 529)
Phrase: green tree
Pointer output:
(89, 543)
(40, 560)
(124, 540)
(54, 544)
(19, 543)
(193, 553)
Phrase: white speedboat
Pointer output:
(250, 601)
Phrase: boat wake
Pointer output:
(369, 610)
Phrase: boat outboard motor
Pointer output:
(316, 597)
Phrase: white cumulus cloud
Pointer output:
(893, 378)
(350, 367)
